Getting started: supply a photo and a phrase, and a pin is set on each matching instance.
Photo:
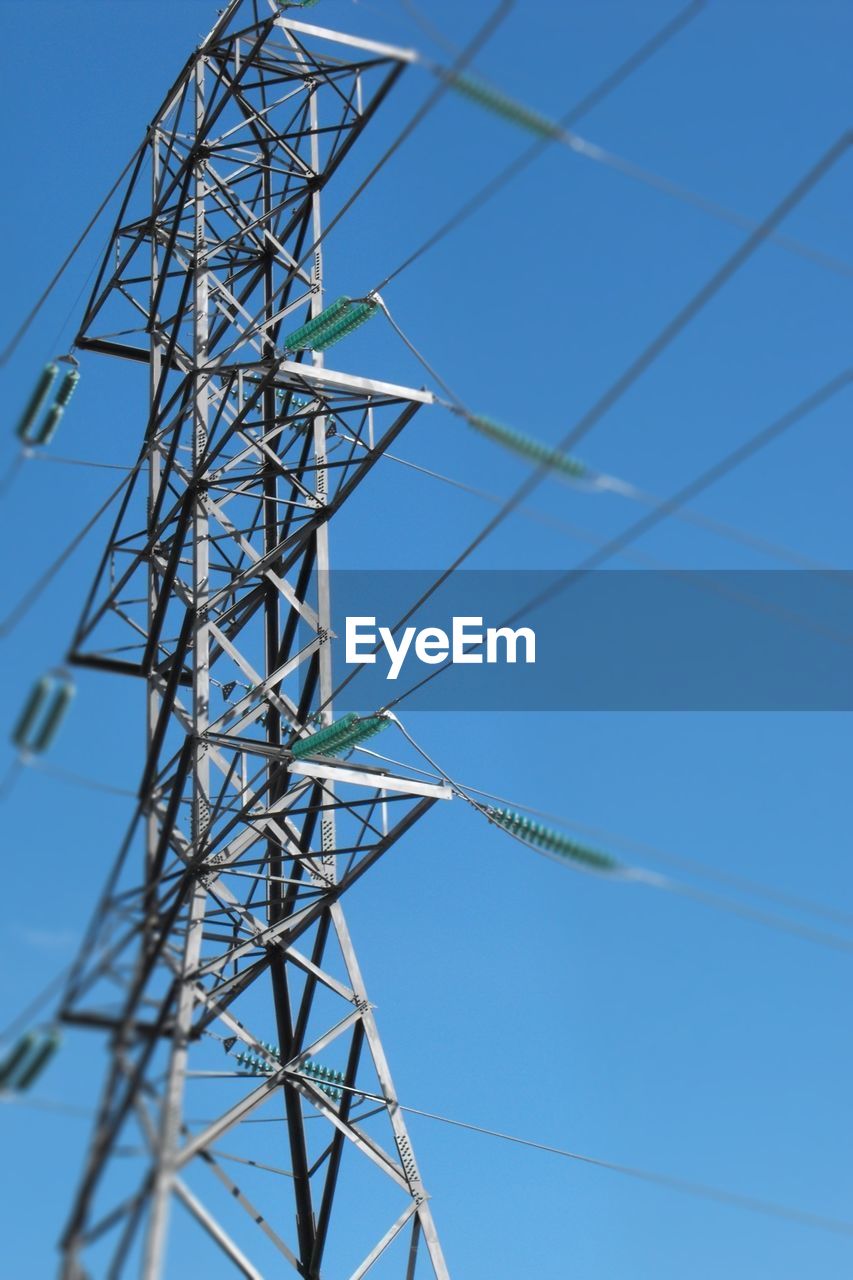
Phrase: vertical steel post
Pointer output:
(172, 1104)
(246, 855)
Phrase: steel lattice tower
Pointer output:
(219, 960)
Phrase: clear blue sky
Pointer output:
(639, 1027)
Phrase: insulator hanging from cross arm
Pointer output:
(67, 387)
(43, 713)
(526, 447)
(27, 1060)
(52, 418)
(56, 712)
(295, 403)
(338, 320)
(36, 402)
(27, 431)
(552, 841)
(49, 424)
(38, 1060)
(38, 696)
(344, 734)
(15, 1058)
(358, 314)
(302, 338)
(325, 1078)
(502, 105)
(256, 1065)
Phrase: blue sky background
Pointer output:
(632, 1025)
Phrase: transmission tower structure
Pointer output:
(242, 1043)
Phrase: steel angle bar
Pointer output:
(370, 776)
(378, 1249)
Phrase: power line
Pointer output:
(670, 331)
(647, 522)
(48, 1104)
(671, 1182)
(471, 49)
(741, 883)
(29, 598)
(661, 510)
(79, 779)
(719, 903)
(604, 483)
(653, 880)
(722, 528)
(635, 370)
(559, 132)
(36, 1004)
(637, 875)
(640, 875)
(599, 155)
(81, 462)
(596, 95)
(28, 320)
(703, 1191)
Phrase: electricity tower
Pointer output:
(242, 1041)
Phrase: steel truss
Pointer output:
(219, 960)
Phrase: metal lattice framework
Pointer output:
(219, 960)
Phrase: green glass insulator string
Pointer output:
(552, 841)
(26, 430)
(526, 447)
(499, 103)
(328, 1080)
(42, 714)
(28, 1059)
(344, 734)
(335, 322)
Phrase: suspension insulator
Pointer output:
(526, 447)
(36, 402)
(359, 314)
(55, 715)
(66, 388)
(295, 403)
(340, 736)
(37, 1061)
(43, 713)
(498, 103)
(552, 841)
(260, 1066)
(336, 322)
(49, 424)
(253, 1064)
(25, 1063)
(32, 709)
(15, 1059)
(325, 1078)
(302, 337)
(324, 738)
(290, 411)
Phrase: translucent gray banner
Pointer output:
(605, 640)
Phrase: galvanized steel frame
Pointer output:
(214, 583)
